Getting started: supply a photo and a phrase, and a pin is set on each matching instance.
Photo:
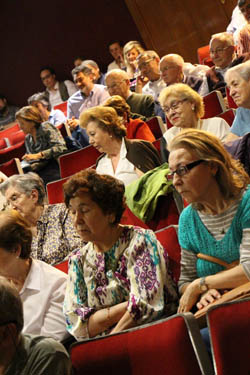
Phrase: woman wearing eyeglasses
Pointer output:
(214, 230)
(184, 108)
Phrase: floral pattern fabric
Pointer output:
(133, 270)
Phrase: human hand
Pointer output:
(72, 123)
(28, 157)
(210, 296)
(189, 297)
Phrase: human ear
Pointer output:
(34, 195)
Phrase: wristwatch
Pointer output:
(203, 285)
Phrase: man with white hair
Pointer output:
(172, 71)
(118, 83)
(238, 81)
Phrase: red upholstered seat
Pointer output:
(15, 138)
(214, 104)
(230, 101)
(13, 129)
(3, 143)
(156, 126)
(129, 218)
(11, 167)
(165, 347)
(169, 240)
(16, 151)
(63, 266)
(204, 56)
(228, 116)
(77, 160)
(229, 330)
(55, 191)
(62, 107)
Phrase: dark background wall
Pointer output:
(54, 32)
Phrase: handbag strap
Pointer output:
(210, 258)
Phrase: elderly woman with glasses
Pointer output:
(214, 230)
(184, 108)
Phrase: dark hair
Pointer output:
(3, 97)
(49, 68)
(40, 97)
(14, 231)
(81, 68)
(106, 191)
(241, 3)
(11, 307)
(115, 41)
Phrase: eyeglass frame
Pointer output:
(218, 50)
(175, 105)
(145, 63)
(116, 84)
(184, 169)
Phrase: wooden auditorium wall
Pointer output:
(53, 32)
(180, 26)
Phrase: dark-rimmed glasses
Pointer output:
(183, 169)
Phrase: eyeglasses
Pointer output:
(166, 68)
(176, 104)
(115, 84)
(245, 9)
(218, 50)
(145, 63)
(183, 169)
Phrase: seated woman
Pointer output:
(184, 108)
(214, 230)
(123, 158)
(136, 128)
(119, 278)
(41, 286)
(54, 236)
(43, 142)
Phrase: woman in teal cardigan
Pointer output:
(214, 229)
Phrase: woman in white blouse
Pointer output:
(41, 286)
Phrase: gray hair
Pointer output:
(40, 97)
(223, 37)
(174, 58)
(25, 183)
(150, 54)
(117, 73)
(11, 307)
(243, 70)
(91, 62)
(82, 68)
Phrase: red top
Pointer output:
(138, 129)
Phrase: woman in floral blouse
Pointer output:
(119, 278)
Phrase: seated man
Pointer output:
(238, 81)
(41, 102)
(172, 71)
(57, 92)
(116, 51)
(7, 113)
(98, 76)
(89, 95)
(118, 83)
(25, 354)
(222, 52)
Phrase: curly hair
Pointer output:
(106, 191)
(107, 120)
(119, 104)
(230, 176)
(14, 231)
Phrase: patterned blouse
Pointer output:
(56, 236)
(133, 270)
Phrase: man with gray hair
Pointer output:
(172, 71)
(238, 81)
(98, 76)
(25, 354)
(118, 83)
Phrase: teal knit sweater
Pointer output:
(194, 236)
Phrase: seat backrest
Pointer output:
(229, 331)
(15, 138)
(166, 213)
(13, 129)
(64, 130)
(63, 266)
(11, 167)
(230, 101)
(16, 151)
(3, 143)
(77, 160)
(161, 348)
(228, 116)
(156, 126)
(55, 191)
(62, 107)
(203, 53)
(169, 240)
(129, 218)
(214, 104)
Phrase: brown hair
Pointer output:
(119, 104)
(107, 120)
(14, 231)
(30, 113)
(106, 191)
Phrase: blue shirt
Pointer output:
(78, 102)
(241, 124)
(56, 117)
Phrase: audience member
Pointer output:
(41, 102)
(3, 201)
(98, 76)
(57, 92)
(53, 234)
(26, 354)
(122, 158)
(78, 60)
(131, 51)
(215, 227)
(118, 83)
(111, 285)
(171, 67)
(41, 287)
(116, 51)
(243, 42)
(184, 108)
(43, 143)
(7, 112)
(136, 128)
(238, 81)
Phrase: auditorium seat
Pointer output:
(156, 126)
(11, 167)
(55, 191)
(63, 266)
(229, 331)
(171, 346)
(15, 138)
(62, 107)
(16, 151)
(204, 56)
(77, 160)
(13, 129)
(228, 116)
(3, 143)
(214, 104)
(230, 101)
